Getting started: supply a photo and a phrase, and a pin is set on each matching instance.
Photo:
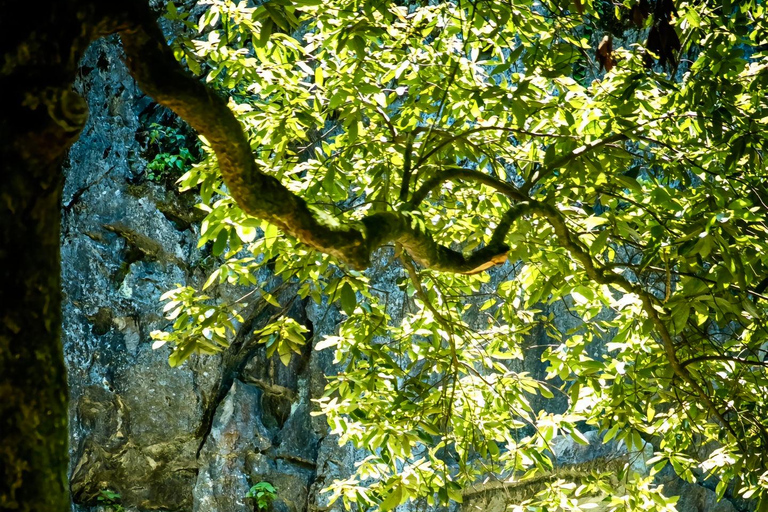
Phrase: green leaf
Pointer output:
(276, 16)
(393, 499)
(269, 298)
(220, 243)
(212, 278)
(328, 342)
(181, 354)
(348, 299)
(611, 433)
(284, 352)
(578, 437)
(267, 26)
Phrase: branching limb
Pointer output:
(419, 289)
(451, 138)
(739, 360)
(597, 274)
(637, 268)
(407, 167)
(565, 159)
(154, 67)
(460, 173)
(387, 227)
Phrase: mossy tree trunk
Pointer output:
(33, 388)
(41, 117)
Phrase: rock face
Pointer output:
(190, 438)
(118, 253)
(193, 438)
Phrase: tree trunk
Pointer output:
(41, 117)
(33, 387)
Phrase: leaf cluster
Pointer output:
(173, 157)
(633, 204)
(263, 494)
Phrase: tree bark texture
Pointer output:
(41, 117)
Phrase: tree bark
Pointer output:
(33, 387)
(41, 118)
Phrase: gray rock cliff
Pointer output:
(191, 438)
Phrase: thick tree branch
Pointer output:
(387, 227)
(460, 173)
(154, 67)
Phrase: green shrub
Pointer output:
(263, 494)
(175, 153)
(110, 499)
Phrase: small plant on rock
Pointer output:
(262, 494)
(110, 499)
(175, 153)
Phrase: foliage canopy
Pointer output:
(633, 201)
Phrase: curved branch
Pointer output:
(157, 72)
(393, 227)
(454, 137)
(155, 69)
(505, 188)
(387, 227)
(597, 274)
(739, 360)
(460, 173)
(563, 160)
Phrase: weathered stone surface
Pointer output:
(222, 482)
(134, 420)
(698, 498)
(190, 438)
